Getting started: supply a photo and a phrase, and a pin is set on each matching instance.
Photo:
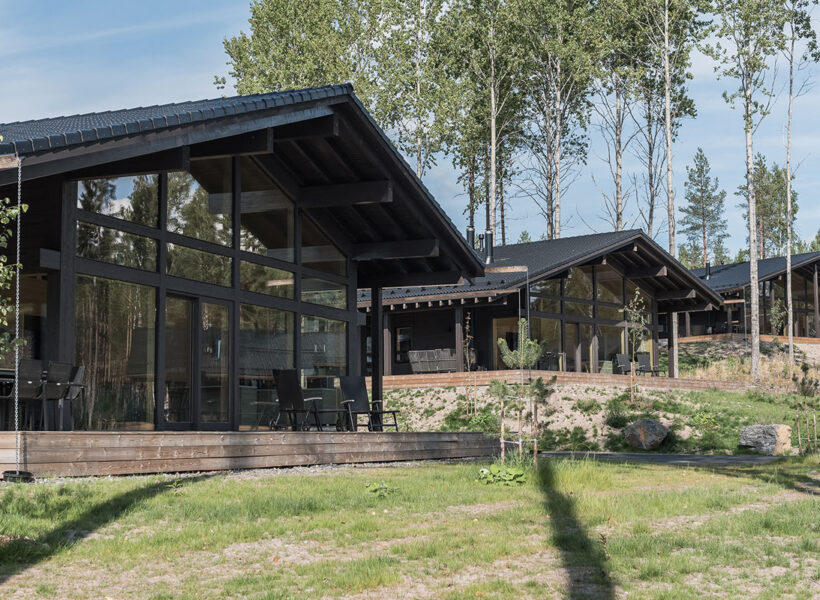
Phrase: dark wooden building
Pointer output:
(180, 252)
(732, 282)
(572, 290)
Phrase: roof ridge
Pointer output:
(573, 237)
(235, 99)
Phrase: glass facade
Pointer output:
(115, 340)
(582, 318)
(213, 263)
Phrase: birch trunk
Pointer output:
(560, 123)
(619, 200)
(750, 191)
(670, 187)
(789, 315)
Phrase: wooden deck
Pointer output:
(125, 453)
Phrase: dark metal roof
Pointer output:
(26, 137)
(547, 258)
(726, 278)
(357, 151)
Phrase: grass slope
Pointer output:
(576, 529)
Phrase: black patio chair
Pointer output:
(354, 391)
(76, 389)
(30, 390)
(55, 389)
(293, 403)
(623, 364)
(645, 365)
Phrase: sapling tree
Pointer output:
(637, 319)
(8, 215)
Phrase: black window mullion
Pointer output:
(235, 400)
(115, 223)
(159, 353)
(297, 289)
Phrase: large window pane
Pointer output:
(179, 328)
(214, 362)
(548, 333)
(265, 343)
(33, 307)
(117, 247)
(266, 215)
(546, 305)
(547, 287)
(324, 347)
(318, 252)
(199, 202)
(265, 280)
(610, 284)
(610, 342)
(130, 198)
(579, 309)
(195, 264)
(610, 313)
(579, 283)
(326, 293)
(114, 340)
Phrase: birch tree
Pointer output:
(749, 35)
(798, 29)
(560, 39)
(410, 78)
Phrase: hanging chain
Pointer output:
(17, 318)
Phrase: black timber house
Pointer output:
(572, 290)
(732, 281)
(181, 252)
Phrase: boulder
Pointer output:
(768, 439)
(646, 434)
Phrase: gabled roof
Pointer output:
(735, 276)
(27, 137)
(547, 258)
(312, 141)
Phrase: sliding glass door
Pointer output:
(197, 364)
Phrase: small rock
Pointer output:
(773, 440)
(646, 434)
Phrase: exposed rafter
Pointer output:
(410, 279)
(687, 294)
(346, 194)
(647, 272)
(323, 127)
(254, 142)
(427, 248)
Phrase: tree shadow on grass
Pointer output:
(19, 554)
(583, 559)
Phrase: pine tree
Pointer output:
(702, 223)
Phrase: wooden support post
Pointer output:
(729, 329)
(816, 304)
(687, 324)
(458, 332)
(672, 343)
(387, 329)
(376, 314)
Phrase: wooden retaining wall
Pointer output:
(79, 453)
(481, 378)
(739, 337)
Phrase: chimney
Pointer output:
(481, 244)
(708, 270)
(471, 237)
(488, 255)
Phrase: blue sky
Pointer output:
(61, 57)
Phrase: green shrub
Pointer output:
(502, 475)
(616, 415)
(588, 406)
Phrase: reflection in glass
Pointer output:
(131, 198)
(548, 287)
(546, 305)
(196, 264)
(114, 340)
(610, 284)
(266, 215)
(33, 308)
(610, 313)
(324, 347)
(579, 283)
(117, 247)
(178, 360)
(579, 309)
(254, 277)
(610, 342)
(199, 202)
(214, 375)
(548, 333)
(318, 252)
(326, 293)
(266, 343)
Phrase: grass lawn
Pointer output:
(575, 529)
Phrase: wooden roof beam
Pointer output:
(687, 308)
(409, 279)
(322, 127)
(427, 248)
(347, 194)
(253, 142)
(687, 294)
(647, 272)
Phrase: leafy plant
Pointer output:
(806, 386)
(637, 319)
(381, 489)
(527, 353)
(502, 475)
(705, 420)
(588, 406)
(616, 415)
